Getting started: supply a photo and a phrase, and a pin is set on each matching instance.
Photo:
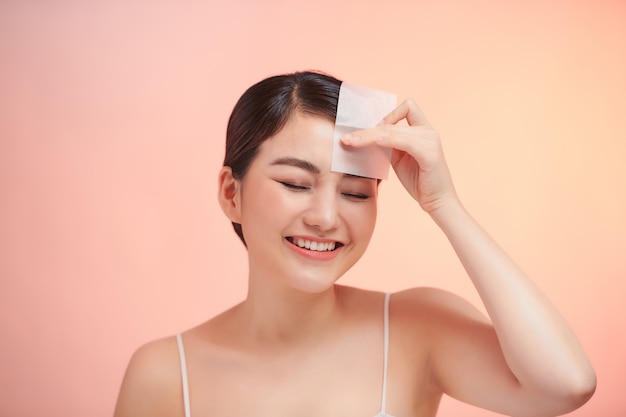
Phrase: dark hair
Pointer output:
(264, 109)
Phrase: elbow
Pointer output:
(584, 390)
(563, 397)
(578, 391)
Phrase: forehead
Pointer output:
(303, 136)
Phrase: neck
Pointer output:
(286, 316)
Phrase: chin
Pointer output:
(313, 285)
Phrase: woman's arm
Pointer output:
(552, 374)
(526, 361)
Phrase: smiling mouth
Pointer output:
(313, 245)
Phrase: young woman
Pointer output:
(301, 345)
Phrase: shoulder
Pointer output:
(152, 382)
(434, 301)
(415, 303)
(158, 360)
(431, 315)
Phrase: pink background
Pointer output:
(112, 120)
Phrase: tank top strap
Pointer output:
(183, 373)
(383, 404)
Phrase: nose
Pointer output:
(323, 212)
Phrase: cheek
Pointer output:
(252, 200)
(361, 217)
(264, 206)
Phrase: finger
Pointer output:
(365, 137)
(408, 110)
(404, 138)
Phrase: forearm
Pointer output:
(539, 346)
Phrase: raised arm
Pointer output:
(527, 361)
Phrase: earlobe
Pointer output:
(229, 194)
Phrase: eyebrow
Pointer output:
(306, 165)
(298, 163)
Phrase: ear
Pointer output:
(229, 194)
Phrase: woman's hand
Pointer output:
(417, 155)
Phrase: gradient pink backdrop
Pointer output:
(112, 120)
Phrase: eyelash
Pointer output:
(296, 187)
(362, 197)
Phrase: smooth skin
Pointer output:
(302, 345)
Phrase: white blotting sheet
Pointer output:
(361, 108)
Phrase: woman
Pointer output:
(301, 345)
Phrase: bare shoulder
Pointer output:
(152, 382)
(430, 314)
(434, 303)
(414, 302)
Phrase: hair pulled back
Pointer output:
(264, 109)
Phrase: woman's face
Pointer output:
(304, 224)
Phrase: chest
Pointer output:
(345, 378)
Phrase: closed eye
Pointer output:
(294, 187)
(356, 196)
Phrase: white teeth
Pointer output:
(316, 246)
